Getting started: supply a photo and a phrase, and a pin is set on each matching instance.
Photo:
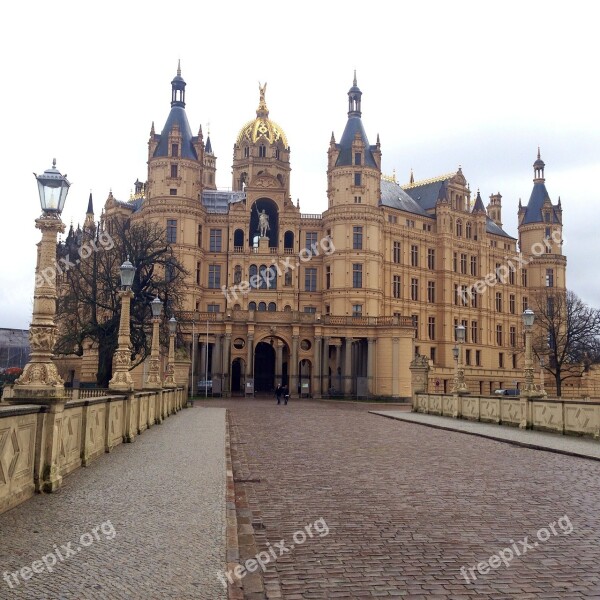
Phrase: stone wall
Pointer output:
(560, 416)
(85, 428)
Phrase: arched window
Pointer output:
(271, 278)
(280, 177)
(468, 231)
(264, 277)
(237, 307)
(262, 306)
(253, 279)
(287, 308)
(246, 152)
(262, 151)
(238, 238)
(272, 306)
(252, 306)
(237, 274)
(458, 227)
(288, 240)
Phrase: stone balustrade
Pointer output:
(85, 428)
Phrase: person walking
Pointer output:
(278, 393)
(285, 393)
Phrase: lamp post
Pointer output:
(528, 320)
(170, 378)
(542, 367)
(40, 379)
(460, 386)
(153, 380)
(121, 380)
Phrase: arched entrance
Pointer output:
(237, 375)
(264, 368)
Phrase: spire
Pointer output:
(178, 88)
(479, 207)
(152, 132)
(178, 67)
(412, 177)
(262, 112)
(90, 208)
(354, 96)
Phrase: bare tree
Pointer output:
(89, 306)
(567, 333)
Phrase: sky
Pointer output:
(475, 84)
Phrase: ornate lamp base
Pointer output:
(39, 381)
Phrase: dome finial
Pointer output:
(538, 157)
(179, 67)
(262, 111)
(354, 82)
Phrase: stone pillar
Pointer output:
(325, 367)
(339, 386)
(347, 366)
(419, 372)
(316, 383)
(201, 370)
(196, 373)
(217, 366)
(278, 362)
(294, 368)
(395, 362)
(227, 365)
(370, 365)
(250, 357)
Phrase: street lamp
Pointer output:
(40, 379)
(460, 386)
(153, 380)
(121, 380)
(528, 320)
(170, 378)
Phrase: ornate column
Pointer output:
(40, 379)
(325, 367)
(170, 378)
(294, 368)
(348, 366)
(153, 380)
(370, 365)
(121, 380)
(227, 365)
(316, 385)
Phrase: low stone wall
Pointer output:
(42, 443)
(560, 416)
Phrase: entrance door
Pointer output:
(264, 368)
(237, 372)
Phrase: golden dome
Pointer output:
(262, 128)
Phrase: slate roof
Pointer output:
(394, 196)
(491, 227)
(177, 116)
(428, 194)
(345, 158)
(533, 211)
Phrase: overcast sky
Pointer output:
(475, 84)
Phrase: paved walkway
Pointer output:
(158, 510)
(540, 440)
(406, 506)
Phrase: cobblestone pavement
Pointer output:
(407, 506)
(160, 499)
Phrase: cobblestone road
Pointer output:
(407, 506)
(160, 499)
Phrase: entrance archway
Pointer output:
(237, 375)
(264, 367)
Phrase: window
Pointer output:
(474, 332)
(513, 336)
(511, 275)
(463, 264)
(199, 236)
(459, 228)
(327, 277)
(464, 296)
(415, 320)
(357, 199)
(262, 151)
(410, 223)
(455, 262)
(214, 276)
(514, 361)
(197, 273)
(252, 306)
(173, 192)
(478, 358)
(327, 309)
(310, 309)
(511, 304)
(396, 287)
(498, 301)
(468, 231)
(311, 242)
(173, 170)
(262, 306)
(357, 310)
(499, 335)
(550, 307)
(171, 231)
(431, 328)
(357, 238)
(431, 258)
(237, 274)
(287, 278)
(246, 152)
(392, 219)
(169, 271)
(414, 255)
(468, 357)
(174, 149)
(499, 276)
(456, 294)
(474, 266)
(474, 296)
(357, 275)
(501, 360)
(310, 279)
(525, 303)
(215, 240)
(432, 354)
(549, 277)
(213, 308)
(253, 278)
(357, 158)
(414, 289)
(288, 241)
(357, 179)
(431, 292)
(396, 254)
(524, 277)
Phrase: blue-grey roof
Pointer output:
(478, 207)
(177, 116)
(208, 147)
(345, 158)
(492, 227)
(394, 196)
(533, 211)
(428, 194)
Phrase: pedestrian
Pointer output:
(286, 393)
(278, 392)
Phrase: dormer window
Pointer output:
(357, 159)
(357, 179)
(246, 152)
(174, 149)
(262, 151)
(547, 217)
